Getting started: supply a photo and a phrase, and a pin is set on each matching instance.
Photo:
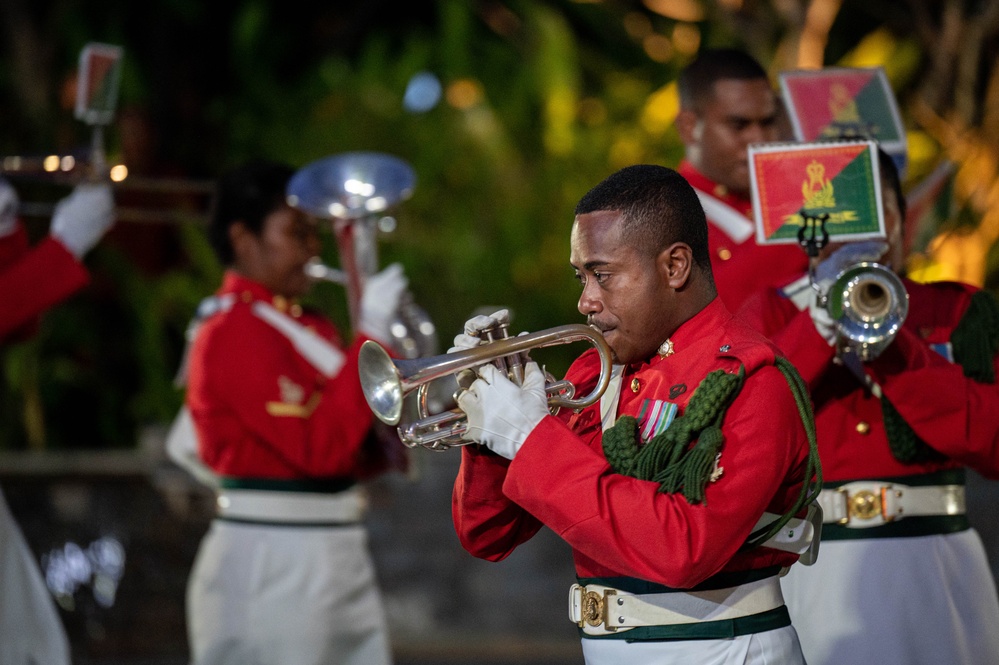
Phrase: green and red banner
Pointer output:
(97, 83)
(838, 103)
(795, 185)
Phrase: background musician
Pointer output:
(906, 580)
(284, 574)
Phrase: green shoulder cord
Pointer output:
(669, 460)
(975, 342)
(813, 467)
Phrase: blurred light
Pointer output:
(423, 92)
(686, 38)
(12, 163)
(119, 172)
(660, 110)
(592, 111)
(100, 566)
(637, 25)
(386, 224)
(67, 163)
(51, 163)
(463, 94)
(679, 10)
(359, 187)
(658, 47)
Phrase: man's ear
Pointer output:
(239, 238)
(675, 264)
(686, 126)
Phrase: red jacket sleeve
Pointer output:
(489, 525)
(955, 415)
(35, 281)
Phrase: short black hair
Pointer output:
(660, 208)
(247, 193)
(696, 82)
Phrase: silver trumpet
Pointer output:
(386, 382)
(354, 190)
(868, 304)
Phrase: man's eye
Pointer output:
(600, 277)
(579, 277)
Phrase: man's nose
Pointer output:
(589, 300)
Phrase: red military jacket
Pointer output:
(260, 408)
(34, 279)
(619, 525)
(740, 266)
(950, 412)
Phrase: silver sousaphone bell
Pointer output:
(355, 190)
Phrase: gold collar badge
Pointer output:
(666, 348)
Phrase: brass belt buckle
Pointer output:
(594, 608)
(864, 505)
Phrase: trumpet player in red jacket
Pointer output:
(901, 577)
(660, 488)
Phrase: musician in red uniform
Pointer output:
(668, 553)
(901, 577)
(284, 574)
(727, 103)
(33, 279)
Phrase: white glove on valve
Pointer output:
(380, 302)
(470, 339)
(502, 414)
(83, 217)
(8, 208)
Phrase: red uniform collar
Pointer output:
(702, 182)
(692, 331)
(247, 290)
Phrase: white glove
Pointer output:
(502, 414)
(83, 217)
(8, 208)
(475, 325)
(380, 302)
(820, 318)
(846, 256)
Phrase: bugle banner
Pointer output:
(837, 182)
(845, 103)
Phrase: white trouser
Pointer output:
(897, 601)
(30, 628)
(773, 647)
(276, 594)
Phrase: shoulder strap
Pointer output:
(732, 222)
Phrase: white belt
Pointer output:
(869, 503)
(291, 507)
(601, 610)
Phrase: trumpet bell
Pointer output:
(380, 382)
(869, 303)
(351, 185)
